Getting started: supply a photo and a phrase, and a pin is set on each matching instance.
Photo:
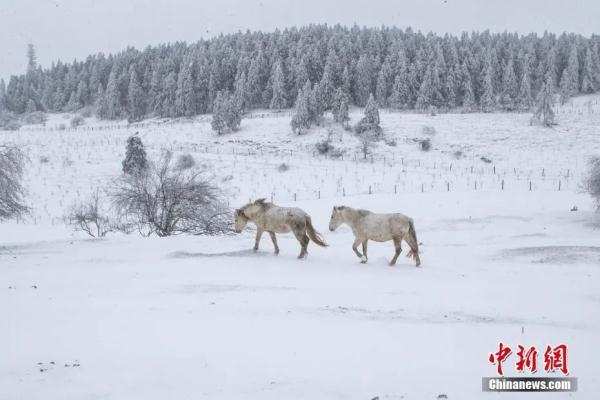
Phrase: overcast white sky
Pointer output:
(68, 29)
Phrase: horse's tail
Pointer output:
(413, 243)
(313, 234)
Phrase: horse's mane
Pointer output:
(361, 212)
(264, 205)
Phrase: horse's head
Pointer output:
(336, 218)
(240, 220)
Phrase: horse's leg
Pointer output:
(274, 240)
(300, 235)
(259, 233)
(397, 245)
(364, 246)
(355, 248)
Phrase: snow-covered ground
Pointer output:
(204, 317)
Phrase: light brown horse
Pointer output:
(274, 219)
(367, 225)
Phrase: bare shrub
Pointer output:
(185, 161)
(592, 181)
(324, 146)
(34, 118)
(12, 191)
(44, 160)
(166, 201)
(77, 121)
(283, 167)
(425, 144)
(89, 217)
(61, 127)
(429, 130)
(9, 121)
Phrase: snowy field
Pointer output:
(204, 317)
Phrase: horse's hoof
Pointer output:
(276, 253)
(363, 260)
(391, 264)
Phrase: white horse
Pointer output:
(367, 225)
(274, 219)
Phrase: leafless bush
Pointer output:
(324, 146)
(77, 121)
(592, 182)
(425, 144)
(166, 201)
(283, 167)
(185, 161)
(429, 130)
(12, 191)
(34, 118)
(89, 217)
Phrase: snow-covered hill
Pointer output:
(204, 317)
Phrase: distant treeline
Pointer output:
(403, 69)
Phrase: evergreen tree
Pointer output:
(347, 82)
(371, 112)
(31, 58)
(111, 96)
(233, 112)
(278, 100)
(340, 107)
(588, 78)
(525, 99)
(569, 81)
(509, 87)
(301, 119)
(487, 102)
(364, 80)
(135, 161)
(135, 96)
(185, 99)
(383, 85)
(2, 95)
(545, 102)
(429, 92)
(219, 114)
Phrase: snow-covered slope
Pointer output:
(204, 317)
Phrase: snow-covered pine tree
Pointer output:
(278, 100)
(371, 112)
(301, 119)
(487, 101)
(185, 99)
(2, 95)
(383, 88)
(347, 82)
(219, 114)
(545, 101)
(233, 111)
(135, 96)
(524, 99)
(112, 96)
(588, 75)
(135, 161)
(363, 80)
(430, 90)
(510, 89)
(82, 94)
(569, 81)
(340, 107)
